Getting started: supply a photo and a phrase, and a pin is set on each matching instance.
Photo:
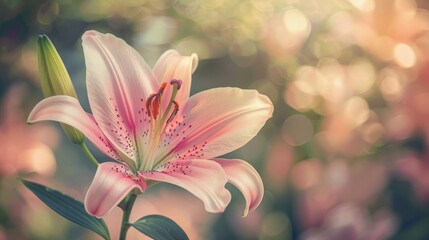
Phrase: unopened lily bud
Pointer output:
(55, 80)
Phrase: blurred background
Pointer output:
(345, 155)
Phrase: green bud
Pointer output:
(55, 80)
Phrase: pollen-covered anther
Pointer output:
(153, 102)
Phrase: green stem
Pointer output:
(88, 154)
(126, 206)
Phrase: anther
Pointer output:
(154, 100)
(178, 83)
(174, 113)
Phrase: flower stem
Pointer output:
(126, 206)
(88, 154)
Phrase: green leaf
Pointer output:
(68, 207)
(160, 228)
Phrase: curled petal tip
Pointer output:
(91, 33)
(203, 178)
(242, 175)
(194, 59)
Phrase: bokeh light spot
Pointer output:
(297, 130)
(404, 55)
(361, 75)
(295, 21)
(306, 174)
(391, 88)
(356, 110)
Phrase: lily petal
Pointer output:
(242, 175)
(171, 65)
(66, 109)
(203, 178)
(111, 184)
(218, 121)
(118, 83)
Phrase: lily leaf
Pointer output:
(160, 228)
(68, 207)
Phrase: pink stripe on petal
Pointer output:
(118, 83)
(203, 178)
(67, 110)
(111, 184)
(242, 175)
(218, 121)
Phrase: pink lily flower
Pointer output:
(145, 120)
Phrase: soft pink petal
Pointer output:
(118, 82)
(203, 178)
(218, 121)
(246, 179)
(171, 65)
(67, 110)
(111, 184)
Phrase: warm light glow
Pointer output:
(298, 99)
(404, 55)
(404, 5)
(361, 75)
(310, 80)
(391, 88)
(295, 21)
(191, 45)
(159, 30)
(382, 47)
(363, 5)
(335, 86)
(343, 26)
(356, 110)
(39, 159)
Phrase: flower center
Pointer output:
(160, 113)
(153, 103)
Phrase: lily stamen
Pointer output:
(153, 102)
(174, 113)
(154, 108)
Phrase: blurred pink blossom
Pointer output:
(24, 149)
(382, 28)
(415, 168)
(352, 222)
(279, 160)
(322, 187)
